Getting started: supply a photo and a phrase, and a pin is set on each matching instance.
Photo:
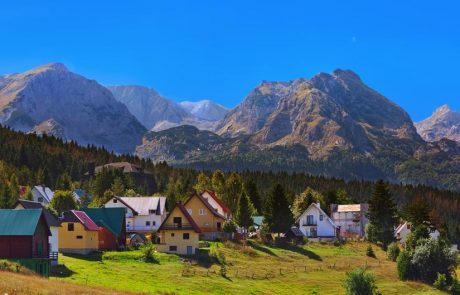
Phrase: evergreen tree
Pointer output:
(117, 187)
(303, 200)
(418, 213)
(277, 213)
(244, 212)
(251, 189)
(233, 189)
(218, 183)
(64, 183)
(382, 214)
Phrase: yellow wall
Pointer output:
(69, 243)
(174, 237)
(208, 221)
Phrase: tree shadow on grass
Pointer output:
(95, 256)
(302, 251)
(61, 271)
(261, 248)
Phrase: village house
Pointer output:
(314, 223)
(207, 217)
(350, 219)
(78, 233)
(24, 238)
(112, 226)
(52, 222)
(42, 194)
(404, 229)
(143, 214)
(178, 233)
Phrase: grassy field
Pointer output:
(257, 269)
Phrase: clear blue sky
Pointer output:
(407, 50)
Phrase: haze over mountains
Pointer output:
(332, 124)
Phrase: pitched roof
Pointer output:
(84, 219)
(50, 218)
(110, 218)
(296, 231)
(19, 222)
(206, 203)
(257, 220)
(187, 216)
(45, 192)
(142, 205)
(219, 201)
(349, 208)
(315, 205)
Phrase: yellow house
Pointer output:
(205, 215)
(78, 234)
(178, 233)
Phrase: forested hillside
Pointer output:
(27, 159)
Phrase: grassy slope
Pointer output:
(21, 284)
(326, 266)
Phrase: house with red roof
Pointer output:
(78, 233)
(217, 203)
(179, 233)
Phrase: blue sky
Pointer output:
(220, 50)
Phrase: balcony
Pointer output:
(309, 223)
(177, 226)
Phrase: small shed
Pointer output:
(294, 235)
(24, 238)
(112, 226)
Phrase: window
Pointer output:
(70, 227)
(79, 237)
(172, 234)
(219, 226)
(202, 212)
(310, 220)
(154, 223)
(147, 223)
(189, 210)
(40, 199)
(321, 217)
(152, 211)
(186, 236)
(173, 248)
(115, 200)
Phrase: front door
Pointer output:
(313, 232)
(189, 250)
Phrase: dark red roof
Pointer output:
(219, 201)
(206, 203)
(187, 216)
(87, 222)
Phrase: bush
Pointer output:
(148, 252)
(404, 266)
(370, 251)
(359, 282)
(229, 226)
(217, 255)
(440, 283)
(454, 288)
(393, 251)
(432, 257)
(370, 233)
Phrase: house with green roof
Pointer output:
(112, 226)
(24, 238)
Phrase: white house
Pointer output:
(404, 229)
(314, 223)
(42, 194)
(143, 214)
(350, 218)
(52, 222)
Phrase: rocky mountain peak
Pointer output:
(443, 123)
(444, 109)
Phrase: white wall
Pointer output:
(54, 238)
(323, 227)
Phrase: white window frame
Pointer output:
(202, 212)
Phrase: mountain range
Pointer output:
(332, 124)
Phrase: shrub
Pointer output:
(370, 251)
(217, 255)
(440, 283)
(432, 257)
(229, 226)
(359, 282)
(393, 251)
(454, 288)
(404, 266)
(148, 252)
(370, 233)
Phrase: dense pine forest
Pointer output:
(28, 160)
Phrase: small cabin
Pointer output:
(24, 238)
(78, 233)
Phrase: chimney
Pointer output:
(318, 204)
